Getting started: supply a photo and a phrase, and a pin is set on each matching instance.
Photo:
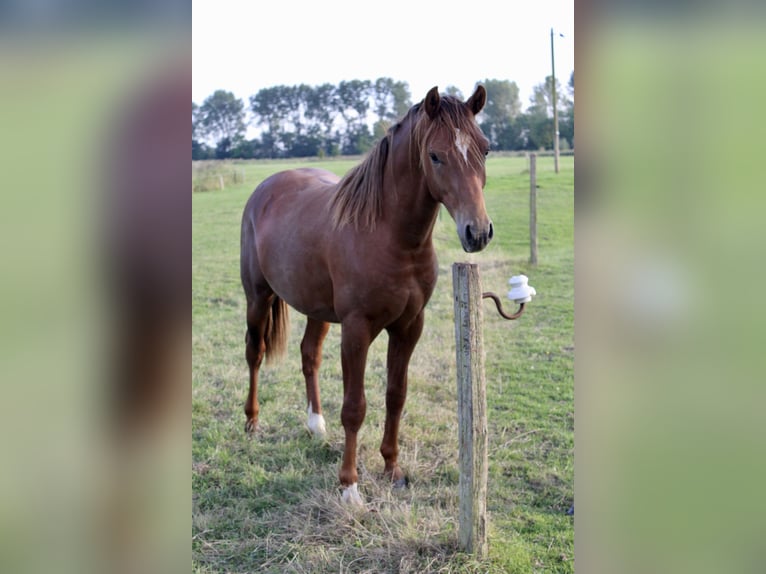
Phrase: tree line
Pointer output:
(345, 119)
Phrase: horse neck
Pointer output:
(410, 209)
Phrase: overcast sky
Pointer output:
(245, 45)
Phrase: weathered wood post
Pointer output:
(533, 209)
(472, 409)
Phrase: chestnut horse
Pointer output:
(358, 251)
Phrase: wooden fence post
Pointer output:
(533, 209)
(472, 409)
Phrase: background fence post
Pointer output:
(472, 409)
(533, 209)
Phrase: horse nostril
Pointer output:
(491, 230)
(468, 234)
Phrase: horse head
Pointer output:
(452, 154)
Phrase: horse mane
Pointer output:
(358, 199)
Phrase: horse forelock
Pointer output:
(456, 121)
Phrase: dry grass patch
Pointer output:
(215, 175)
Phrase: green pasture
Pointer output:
(272, 504)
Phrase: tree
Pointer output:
(380, 128)
(270, 107)
(542, 97)
(383, 97)
(295, 102)
(199, 150)
(306, 145)
(245, 149)
(400, 92)
(392, 100)
(500, 113)
(566, 119)
(196, 122)
(536, 130)
(540, 113)
(223, 148)
(358, 140)
(222, 117)
(353, 101)
(320, 112)
(303, 120)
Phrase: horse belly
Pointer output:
(311, 307)
(290, 231)
(300, 280)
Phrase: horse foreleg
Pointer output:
(311, 355)
(355, 342)
(401, 344)
(255, 348)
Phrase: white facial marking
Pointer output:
(316, 423)
(351, 495)
(461, 143)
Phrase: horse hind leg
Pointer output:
(311, 356)
(255, 349)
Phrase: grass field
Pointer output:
(272, 504)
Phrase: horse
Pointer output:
(358, 251)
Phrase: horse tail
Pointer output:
(275, 335)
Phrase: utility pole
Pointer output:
(555, 110)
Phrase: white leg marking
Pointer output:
(316, 423)
(461, 143)
(351, 495)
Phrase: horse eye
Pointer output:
(434, 157)
(486, 153)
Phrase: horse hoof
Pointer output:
(316, 425)
(351, 496)
(250, 427)
(401, 483)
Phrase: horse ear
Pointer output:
(476, 102)
(432, 102)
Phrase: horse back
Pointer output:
(285, 235)
(293, 186)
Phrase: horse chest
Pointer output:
(399, 287)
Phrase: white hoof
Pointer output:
(351, 496)
(316, 424)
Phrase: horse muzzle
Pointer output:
(475, 237)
